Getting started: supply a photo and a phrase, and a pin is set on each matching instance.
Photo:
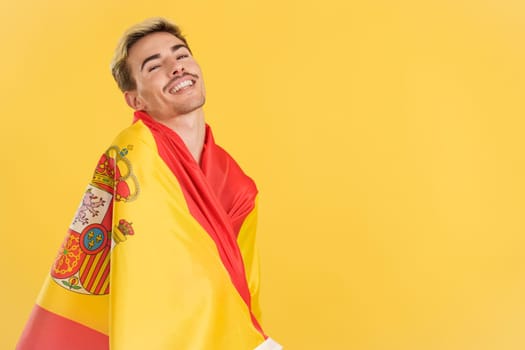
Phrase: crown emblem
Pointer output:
(122, 230)
(114, 174)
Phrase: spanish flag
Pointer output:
(160, 254)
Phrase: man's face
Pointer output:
(168, 79)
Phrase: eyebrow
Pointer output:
(157, 56)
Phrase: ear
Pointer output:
(133, 100)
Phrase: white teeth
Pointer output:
(181, 85)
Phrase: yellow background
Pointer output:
(386, 138)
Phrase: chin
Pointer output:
(190, 107)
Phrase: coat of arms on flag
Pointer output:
(83, 262)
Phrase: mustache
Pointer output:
(176, 77)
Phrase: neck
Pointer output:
(191, 128)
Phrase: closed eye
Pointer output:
(152, 68)
(179, 57)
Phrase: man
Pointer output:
(160, 254)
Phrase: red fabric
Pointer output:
(219, 195)
(49, 331)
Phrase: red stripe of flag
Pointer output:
(49, 331)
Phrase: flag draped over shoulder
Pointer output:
(160, 254)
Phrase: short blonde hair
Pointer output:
(119, 66)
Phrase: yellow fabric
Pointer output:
(169, 289)
(168, 286)
(250, 256)
(89, 310)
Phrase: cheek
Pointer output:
(149, 90)
(193, 67)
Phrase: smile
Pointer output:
(181, 86)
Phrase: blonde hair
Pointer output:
(119, 66)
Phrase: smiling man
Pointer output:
(161, 252)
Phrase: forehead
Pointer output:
(151, 44)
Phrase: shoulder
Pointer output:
(136, 133)
(132, 143)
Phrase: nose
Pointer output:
(176, 67)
